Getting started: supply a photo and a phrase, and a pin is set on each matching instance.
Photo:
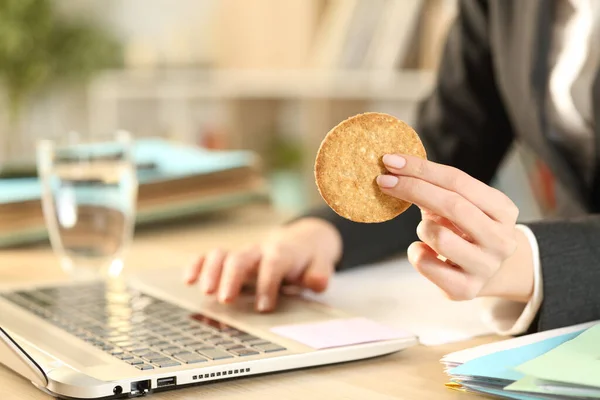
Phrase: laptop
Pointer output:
(148, 333)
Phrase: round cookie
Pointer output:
(349, 161)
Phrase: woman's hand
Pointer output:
(303, 253)
(469, 244)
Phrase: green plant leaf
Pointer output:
(37, 48)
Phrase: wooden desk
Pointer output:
(412, 374)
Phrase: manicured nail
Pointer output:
(208, 286)
(394, 161)
(387, 181)
(263, 304)
(225, 296)
(189, 275)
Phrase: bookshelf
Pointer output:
(242, 72)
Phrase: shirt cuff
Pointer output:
(508, 317)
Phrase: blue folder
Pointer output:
(491, 373)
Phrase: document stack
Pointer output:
(558, 364)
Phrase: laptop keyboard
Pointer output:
(139, 329)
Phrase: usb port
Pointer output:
(163, 382)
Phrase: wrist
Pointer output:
(326, 236)
(515, 278)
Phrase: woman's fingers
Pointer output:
(451, 246)
(317, 275)
(427, 214)
(464, 214)
(453, 281)
(237, 267)
(274, 265)
(193, 272)
(211, 271)
(491, 201)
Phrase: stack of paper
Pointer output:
(175, 181)
(558, 364)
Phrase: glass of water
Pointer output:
(89, 193)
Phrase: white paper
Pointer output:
(393, 293)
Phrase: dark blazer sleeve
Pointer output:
(463, 123)
(570, 259)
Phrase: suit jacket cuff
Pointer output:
(507, 317)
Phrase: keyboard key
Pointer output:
(141, 352)
(247, 338)
(144, 367)
(95, 342)
(169, 347)
(235, 346)
(159, 359)
(190, 358)
(121, 338)
(124, 344)
(151, 355)
(214, 354)
(269, 347)
(195, 345)
(167, 364)
(175, 351)
(202, 334)
(189, 342)
(237, 334)
(244, 352)
(134, 361)
(157, 343)
(257, 341)
(162, 330)
(232, 331)
(225, 343)
(192, 328)
(135, 348)
(200, 346)
(140, 334)
(213, 339)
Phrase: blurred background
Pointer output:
(267, 77)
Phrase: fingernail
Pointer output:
(207, 287)
(263, 304)
(224, 296)
(387, 181)
(394, 161)
(188, 277)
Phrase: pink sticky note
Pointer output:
(338, 332)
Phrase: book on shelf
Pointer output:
(396, 35)
(184, 181)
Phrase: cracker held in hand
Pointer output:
(350, 159)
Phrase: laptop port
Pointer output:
(140, 387)
(163, 382)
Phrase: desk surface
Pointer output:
(412, 374)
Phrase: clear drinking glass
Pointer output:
(89, 193)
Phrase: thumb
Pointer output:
(317, 274)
